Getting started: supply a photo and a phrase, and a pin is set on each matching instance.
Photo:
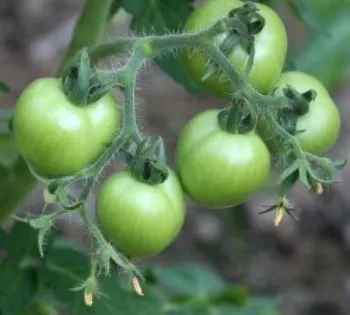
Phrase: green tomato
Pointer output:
(56, 137)
(140, 219)
(321, 124)
(220, 169)
(270, 49)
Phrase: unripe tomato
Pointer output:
(217, 168)
(140, 219)
(56, 137)
(321, 124)
(270, 48)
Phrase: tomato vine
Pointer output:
(83, 84)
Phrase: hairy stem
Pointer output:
(129, 75)
(157, 43)
(111, 47)
(255, 98)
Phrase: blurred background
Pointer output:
(307, 262)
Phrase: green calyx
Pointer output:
(82, 85)
(148, 164)
(248, 14)
(297, 104)
(248, 23)
(237, 118)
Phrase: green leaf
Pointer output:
(8, 151)
(64, 269)
(163, 17)
(290, 169)
(288, 182)
(3, 87)
(40, 307)
(327, 57)
(14, 186)
(233, 294)
(326, 9)
(189, 279)
(17, 280)
(195, 310)
(3, 238)
(258, 306)
(17, 287)
(304, 11)
(117, 301)
(60, 243)
(22, 241)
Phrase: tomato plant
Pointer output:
(270, 49)
(56, 137)
(319, 127)
(218, 168)
(68, 130)
(140, 219)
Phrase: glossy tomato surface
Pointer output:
(270, 48)
(219, 169)
(56, 137)
(321, 124)
(140, 219)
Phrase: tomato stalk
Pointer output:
(260, 102)
(229, 119)
(104, 252)
(128, 80)
(143, 48)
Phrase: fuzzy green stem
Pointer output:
(157, 43)
(104, 248)
(216, 54)
(129, 74)
(111, 47)
(89, 28)
(148, 47)
(271, 121)
(256, 99)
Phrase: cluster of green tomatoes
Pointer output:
(215, 167)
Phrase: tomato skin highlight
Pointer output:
(140, 219)
(56, 137)
(270, 49)
(321, 124)
(219, 169)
